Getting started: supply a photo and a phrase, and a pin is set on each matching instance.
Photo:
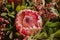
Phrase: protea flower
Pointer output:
(28, 21)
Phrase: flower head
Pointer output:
(28, 21)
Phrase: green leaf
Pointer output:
(17, 34)
(43, 35)
(11, 35)
(50, 31)
(48, 23)
(8, 6)
(55, 12)
(11, 15)
(23, 7)
(51, 37)
(51, 24)
(5, 29)
(3, 14)
(38, 34)
(30, 38)
(57, 33)
(12, 5)
(31, 3)
(10, 27)
(18, 8)
(8, 32)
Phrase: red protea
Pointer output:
(28, 21)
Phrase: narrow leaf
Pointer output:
(3, 14)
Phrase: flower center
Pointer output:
(27, 20)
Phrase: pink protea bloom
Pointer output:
(28, 21)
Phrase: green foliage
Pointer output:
(42, 35)
(18, 8)
(11, 14)
(8, 6)
(57, 33)
(51, 24)
(11, 35)
(3, 14)
(12, 5)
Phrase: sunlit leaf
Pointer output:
(57, 33)
(55, 12)
(18, 8)
(3, 14)
(11, 15)
(51, 24)
(12, 5)
(11, 35)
